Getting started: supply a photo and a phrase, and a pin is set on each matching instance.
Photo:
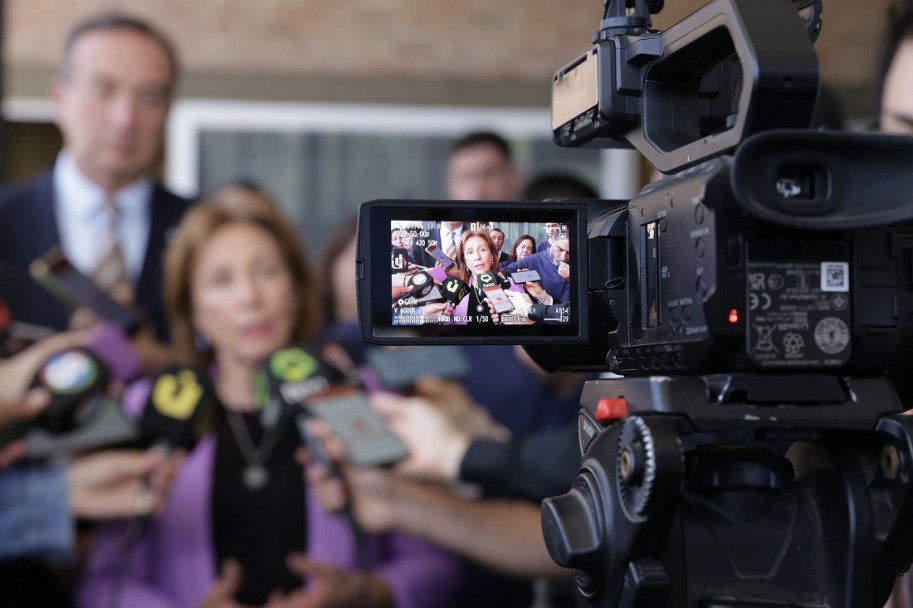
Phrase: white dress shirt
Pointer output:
(81, 220)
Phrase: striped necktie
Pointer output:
(111, 271)
(450, 246)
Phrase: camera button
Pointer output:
(686, 313)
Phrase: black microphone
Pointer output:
(182, 407)
(421, 283)
(73, 378)
(284, 382)
(454, 290)
(492, 289)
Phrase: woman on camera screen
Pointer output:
(524, 246)
(477, 268)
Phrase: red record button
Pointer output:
(608, 410)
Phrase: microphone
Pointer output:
(284, 383)
(454, 290)
(287, 377)
(181, 408)
(421, 283)
(73, 378)
(493, 290)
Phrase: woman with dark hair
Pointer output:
(524, 245)
(237, 289)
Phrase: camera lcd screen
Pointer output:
(409, 294)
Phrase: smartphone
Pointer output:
(525, 276)
(439, 255)
(368, 440)
(55, 272)
(399, 368)
(495, 294)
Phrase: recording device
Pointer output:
(73, 378)
(368, 440)
(399, 368)
(406, 319)
(493, 291)
(55, 272)
(525, 276)
(300, 381)
(454, 290)
(439, 255)
(758, 302)
(181, 408)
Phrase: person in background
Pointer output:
(480, 167)
(40, 503)
(100, 202)
(524, 245)
(894, 111)
(238, 289)
(894, 84)
(550, 185)
(497, 238)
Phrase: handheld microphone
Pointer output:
(424, 290)
(285, 380)
(181, 408)
(493, 290)
(73, 378)
(454, 290)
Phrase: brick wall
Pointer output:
(477, 42)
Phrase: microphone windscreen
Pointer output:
(71, 377)
(288, 377)
(454, 290)
(181, 408)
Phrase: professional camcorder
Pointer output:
(757, 301)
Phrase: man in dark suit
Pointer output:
(99, 203)
(497, 237)
(112, 97)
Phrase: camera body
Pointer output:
(757, 301)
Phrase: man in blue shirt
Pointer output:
(553, 268)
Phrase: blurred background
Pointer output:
(328, 103)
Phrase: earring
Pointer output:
(202, 343)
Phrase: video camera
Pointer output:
(757, 300)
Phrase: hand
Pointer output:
(522, 304)
(114, 484)
(223, 591)
(564, 271)
(536, 291)
(438, 309)
(451, 399)
(370, 492)
(399, 283)
(17, 372)
(495, 317)
(332, 587)
(153, 355)
(436, 448)
(20, 409)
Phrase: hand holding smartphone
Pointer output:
(55, 272)
(439, 255)
(368, 440)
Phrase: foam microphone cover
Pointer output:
(421, 283)
(287, 377)
(71, 377)
(454, 289)
(181, 408)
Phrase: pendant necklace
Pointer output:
(255, 474)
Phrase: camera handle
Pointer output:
(677, 505)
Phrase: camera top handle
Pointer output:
(694, 91)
